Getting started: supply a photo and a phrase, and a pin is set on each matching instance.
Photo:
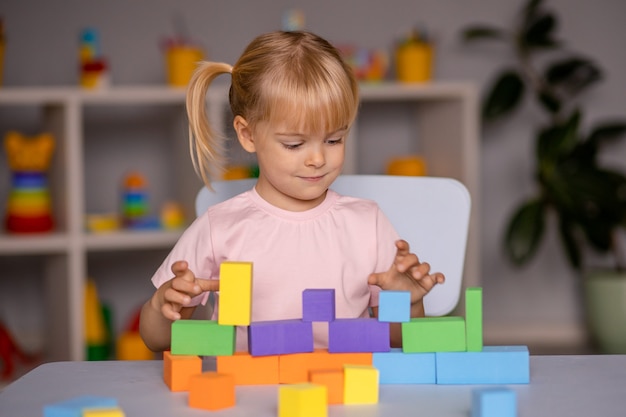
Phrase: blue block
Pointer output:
(494, 402)
(318, 305)
(394, 306)
(397, 367)
(493, 365)
(280, 337)
(358, 335)
(74, 407)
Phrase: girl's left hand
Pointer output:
(407, 273)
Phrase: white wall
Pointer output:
(42, 47)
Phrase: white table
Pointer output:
(567, 386)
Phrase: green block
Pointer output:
(203, 338)
(474, 319)
(434, 334)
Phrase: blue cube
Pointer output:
(494, 402)
(394, 306)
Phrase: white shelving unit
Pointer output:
(443, 124)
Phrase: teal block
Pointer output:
(474, 318)
(202, 338)
(434, 334)
(396, 367)
(394, 306)
(493, 365)
(494, 402)
(74, 407)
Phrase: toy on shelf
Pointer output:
(172, 216)
(135, 204)
(94, 70)
(182, 55)
(409, 165)
(369, 65)
(293, 19)
(414, 58)
(9, 350)
(130, 345)
(97, 325)
(29, 203)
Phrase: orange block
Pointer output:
(332, 380)
(177, 369)
(295, 368)
(212, 391)
(248, 369)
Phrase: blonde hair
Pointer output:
(280, 75)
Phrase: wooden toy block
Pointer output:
(494, 402)
(104, 412)
(235, 305)
(397, 367)
(360, 384)
(202, 337)
(74, 407)
(302, 400)
(493, 365)
(474, 318)
(177, 369)
(394, 306)
(130, 347)
(249, 370)
(295, 368)
(318, 305)
(332, 380)
(280, 337)
(434, 334)
(212, 391)
(358, 335)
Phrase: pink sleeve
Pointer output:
(386, 238)
(194, 246)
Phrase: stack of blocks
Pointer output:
(436, 350)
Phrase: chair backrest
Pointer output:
(430, 213)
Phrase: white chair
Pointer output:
(430, 213)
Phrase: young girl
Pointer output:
(293, 99)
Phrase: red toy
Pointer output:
(8, 350)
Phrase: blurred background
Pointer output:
(537, 305)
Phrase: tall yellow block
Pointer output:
(360, 384)
(235, 302)
(302, 400)
(103, 412)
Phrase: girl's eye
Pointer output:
(292, 146)
(334, 141)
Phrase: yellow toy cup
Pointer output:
(414, 62)
(181, 61)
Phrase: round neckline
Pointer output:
(329, 200)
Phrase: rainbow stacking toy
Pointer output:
(29, 204)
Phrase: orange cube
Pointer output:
(177, 369)
(212, 391)
(248, 369)
(294, 369)
(333, 381)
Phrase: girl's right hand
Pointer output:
(178, 292)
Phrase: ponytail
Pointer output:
(205, 146)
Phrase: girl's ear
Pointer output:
(244, 134)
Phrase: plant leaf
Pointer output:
(573, 74)
(607, 132)
(538, 33)
(525, 231)
(558, 140)
(570, 245)
(480, 32)
(504, 95)
(531, 9)
(549, 101)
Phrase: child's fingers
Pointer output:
(181, 269)
(170, 312)
(208, 284)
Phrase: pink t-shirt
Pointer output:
(334, 245)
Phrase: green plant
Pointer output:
(588, 199)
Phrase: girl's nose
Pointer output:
(316, 158)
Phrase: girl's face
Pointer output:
(296, 166)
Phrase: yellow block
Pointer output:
(95, 328)
(235, 302)
(360, 384)
(302, 400)
(103, 412)
(130, 347)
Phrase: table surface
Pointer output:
(592, 385)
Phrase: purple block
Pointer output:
(358, 335)
(280, 337)
(318, 305)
